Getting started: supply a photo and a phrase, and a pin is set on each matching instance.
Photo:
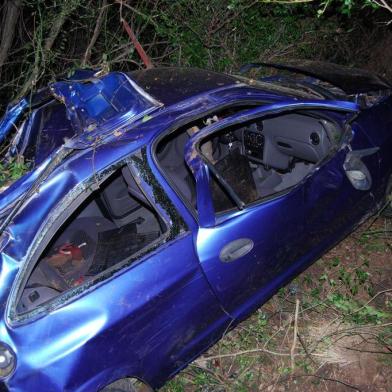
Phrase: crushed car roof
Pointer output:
(174, 84)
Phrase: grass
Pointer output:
(341, 310)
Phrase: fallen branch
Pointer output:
(332, 380)
(143, 55)
(308, 354)
(367, 351)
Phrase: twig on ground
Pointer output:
(254, 351)
(370, 300)
(309, 355)
(367, 351)
(294, 345)
(292, 377)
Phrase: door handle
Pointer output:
(235, 249)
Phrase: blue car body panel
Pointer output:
(151, 317)
(116, 323)
(276, 253)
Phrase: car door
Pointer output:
(334, 206)
(247, 254)
(145, 320)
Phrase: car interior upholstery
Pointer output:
(257, 159)
(110, 227)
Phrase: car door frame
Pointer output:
(200, 167)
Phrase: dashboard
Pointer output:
(254, 141)
(274, 142)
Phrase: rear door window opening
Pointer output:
(110, 227)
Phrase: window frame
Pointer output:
(51, 226)
(222, 216)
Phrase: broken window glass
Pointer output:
(110, 227)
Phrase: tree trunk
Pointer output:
(96, 33)
(11, 15)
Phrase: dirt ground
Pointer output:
(328, 330)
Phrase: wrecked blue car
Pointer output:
(163, 206)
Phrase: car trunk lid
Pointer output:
(350, 80)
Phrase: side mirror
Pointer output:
(356, 170)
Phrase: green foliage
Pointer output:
(354, 312)
(12, 170)
(347, 7)
(224, 35)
